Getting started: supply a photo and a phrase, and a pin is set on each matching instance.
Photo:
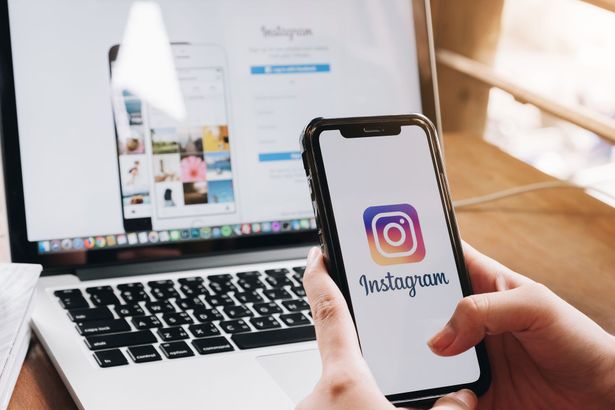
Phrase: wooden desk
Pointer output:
(562, 238)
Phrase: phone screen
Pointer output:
(398, 256)
(133, 162)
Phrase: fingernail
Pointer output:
(467, 397)
(443, 339)
(312, 256)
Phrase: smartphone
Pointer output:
(390, 241)
(176, 172)
(132, 157)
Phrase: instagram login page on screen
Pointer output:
(251, 75)
(399, 262)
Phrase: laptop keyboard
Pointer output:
(170, 319)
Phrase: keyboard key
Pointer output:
(141, 337)
(164, 283)
(173, 319)
(234, 326)
(204, 330)
(235, 312)
(175, 350)
(129, 310)
(267, 308)
(97, 327)
(299, 291)
(222, 287)
(160, 307)
(295, 305)
(212, 345)
(97, 290)
(277, 272)
(191, 281)
(274, 337)
(132, 297)
(299, 269)
(143, 354)
(278, 282)
(68, 293)
(207, 315)
(73, 302)
(130, 287)
(294, 319)
(169, 334)
(165, 293)
(193, 291)
(275, 294)
(249, 285)
(220, 300)
(225, 277)
(146, 322)
(298, 278)
(252, 275)
(102, 299)
(85, 315)
(110, 358)
(189, 303)
(248, 297)
(265, 322)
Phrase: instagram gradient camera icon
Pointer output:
(394, 234)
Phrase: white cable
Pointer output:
(461, 203)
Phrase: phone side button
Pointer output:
(309, 179)
(305, 164)
(447, 197)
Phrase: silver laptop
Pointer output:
(152, 166)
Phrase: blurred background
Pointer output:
(536, 78)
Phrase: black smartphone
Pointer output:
(390, 241)
(132, 156)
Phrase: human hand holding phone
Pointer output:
(544, 353)
(346, 381)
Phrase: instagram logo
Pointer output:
(394, 234)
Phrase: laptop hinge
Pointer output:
(214, 261)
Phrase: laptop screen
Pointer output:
(143, 123)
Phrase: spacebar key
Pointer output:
(142, 337)
(274, 337)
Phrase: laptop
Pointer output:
(152, 167)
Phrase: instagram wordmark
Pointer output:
(394, 234)
(408, 282)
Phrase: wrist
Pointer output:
(607, 375)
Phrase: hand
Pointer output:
(346, 382)
(543, 352)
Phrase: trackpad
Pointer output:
(296, 373)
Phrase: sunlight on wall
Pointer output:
(564, 50)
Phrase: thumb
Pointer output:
(335, 331)
(525, 308)
(461, 400)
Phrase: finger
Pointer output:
(335, 331)
(461, 400)
(528, 307)
(488, 275)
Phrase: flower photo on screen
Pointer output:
(192, 168)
